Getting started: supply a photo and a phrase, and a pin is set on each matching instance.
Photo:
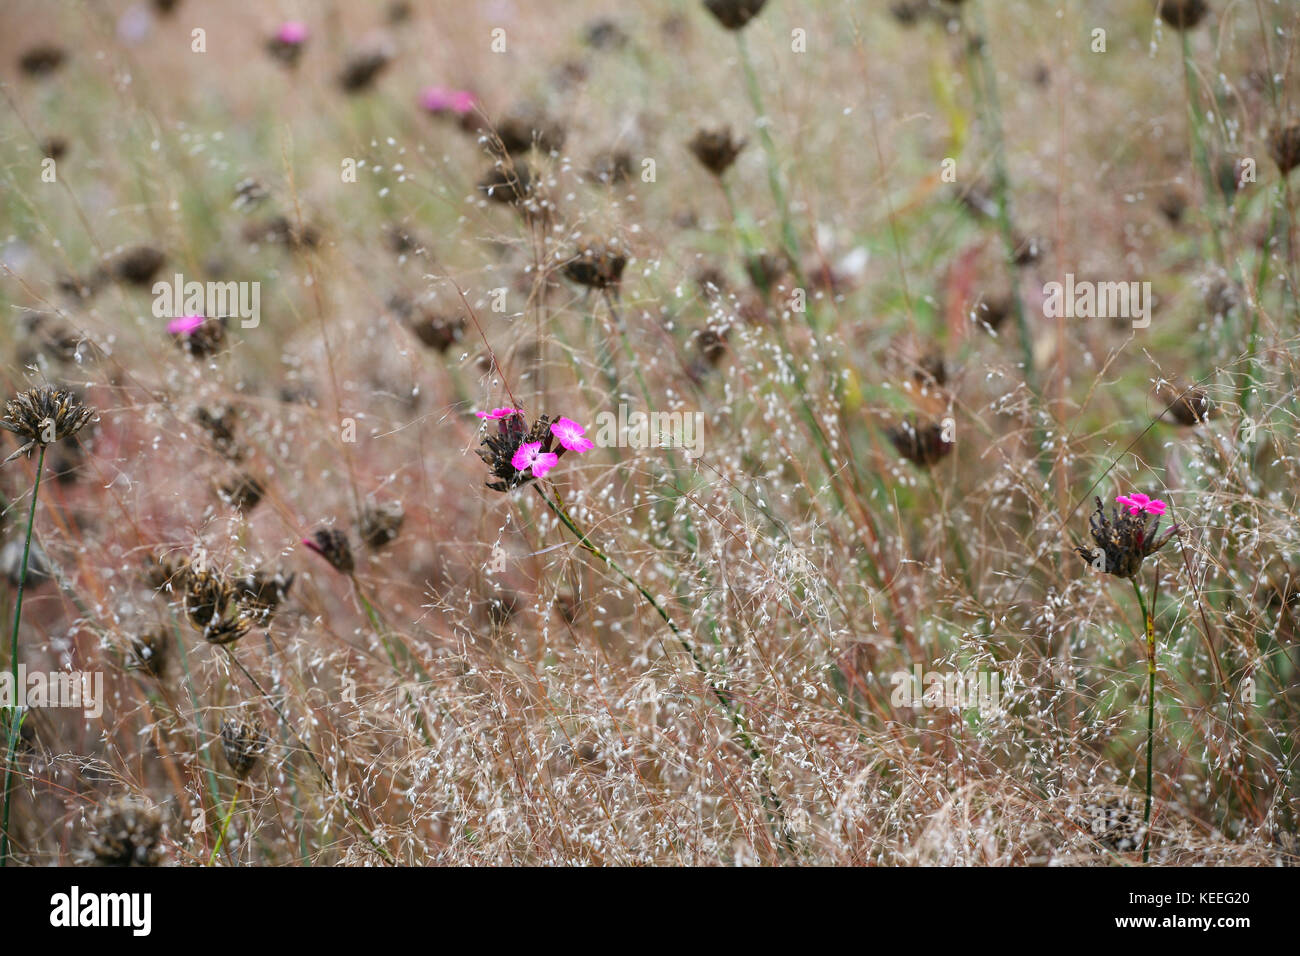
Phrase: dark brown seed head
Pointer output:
(922, 445)
(611, 167)
(44, 415)
(138, 265)
(214, 607)
(1190, 406)
(279, 230)
(206, 340)
(242, 744)
(284, 51)
(42, 60)
(436, 331)
(715, 149)
(712, 345)
(508, 183)
(148, 652)
(332, 545)
(766, 269)
(1182, 14)
(518, 131)
(361, 69)
(597, 266)
(241, 491)
(262, 592)
(604, 34)
(220, 421)
(381, 523)
(124, 831)
(734, 14)
(1284, 146)
(55, 147)
(993, 310)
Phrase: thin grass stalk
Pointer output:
(17, 713)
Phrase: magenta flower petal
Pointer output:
(570, 434)
(462, 102)
(185, 325)
(526, 454)
(292, 32)
(1156, 507)
(497, 413)
(544, 463)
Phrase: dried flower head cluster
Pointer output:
(716, 149)
(44, 415)
(734, 14)
(922, 445)
(124, 831)
(517, 454)
(1182, 14)
(381, 523)
(1126, 538)
(215, 605)
(597, 266)
(242, 744)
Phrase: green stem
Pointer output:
(225, 824)
(17, 713)
(770, 799)
(1150, 628)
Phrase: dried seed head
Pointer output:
(436, 331)
(1182, 14)
(1124, 540)
(1284, 146)
(55, 147)
(1189, 406)
(220, 421)
(381, 523)
(242, 744)
(611, 167)
(509, 183)
(214, 606)
(734, 14)
(42, 60)
(922, 445)
(518, 131)
(263, 591)
(124, 831)
(148, 652)
(715, 149)
(138, 265)
(44, 415)
(332, 545)
(202, 339)
(248, 193)
(241, 491)
(361, 69)
(597, 266)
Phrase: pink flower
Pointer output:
(497, 413)
(439, 99)
(530, 455)
(292, 32)
(1137, 503)
(570, 434)
(185, 325)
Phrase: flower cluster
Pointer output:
(517, 454)
(44, 415)
(1124, 540)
